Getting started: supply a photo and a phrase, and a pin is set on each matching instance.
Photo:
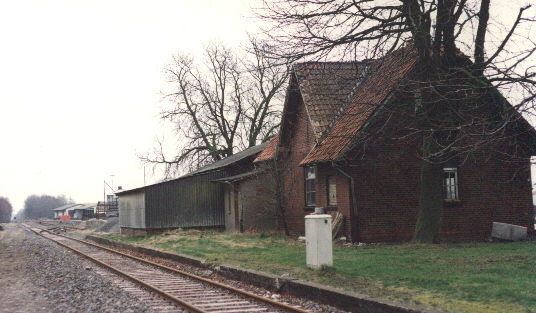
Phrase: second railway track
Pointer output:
(194, 293)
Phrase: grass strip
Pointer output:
(464, 277)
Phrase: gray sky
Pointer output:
(81, 84)
(81, 80)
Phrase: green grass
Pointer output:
(468, 277)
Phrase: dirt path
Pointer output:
(18, 290)
(37, 275)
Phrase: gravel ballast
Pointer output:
(111, 226)
(37, 275)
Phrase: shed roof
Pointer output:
(85, 206)
(208, 168)
(64, 207)
(229, 160)
(238, 177)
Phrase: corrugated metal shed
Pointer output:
(132, 209)
(192, 200)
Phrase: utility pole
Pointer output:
(112, 175)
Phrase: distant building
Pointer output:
(76, 211)
(83, 211)
(63, 210)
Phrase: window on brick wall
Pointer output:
(332, 190)
(450, 183)
(310, 187)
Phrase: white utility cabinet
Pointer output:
(319, 248)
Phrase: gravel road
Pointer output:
(37, 275)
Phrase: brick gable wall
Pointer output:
(301, 139)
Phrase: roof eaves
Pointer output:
(64, 207)
(228, 160)
(239, 177)
(124, 192)
(208, 168)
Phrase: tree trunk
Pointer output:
(430, 213)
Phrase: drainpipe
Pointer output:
(352, 186)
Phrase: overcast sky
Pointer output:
(80, 86)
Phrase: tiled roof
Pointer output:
(364, 100)
(325, 87)
(269, 151)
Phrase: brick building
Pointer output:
(323, 162)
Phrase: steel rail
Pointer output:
(120, 272)
(174, 270)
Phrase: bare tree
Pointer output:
(450, 89)
(5, 210)
(230, 101)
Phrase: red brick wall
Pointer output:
(301, 143)
(344, 200)
(490, 191)
(387, 186)
(302, 140)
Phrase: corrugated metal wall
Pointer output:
(187, 202)
(132, 209)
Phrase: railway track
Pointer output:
(192, 292)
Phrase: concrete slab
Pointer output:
(508, 232)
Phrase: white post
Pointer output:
(319, 249)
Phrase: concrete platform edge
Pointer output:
(342, 299)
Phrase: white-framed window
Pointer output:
(450, 183)
(332, 190)
(310, 187)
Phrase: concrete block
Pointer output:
(257, 278)
(319, 245)
(350, 301)
(508, 231)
